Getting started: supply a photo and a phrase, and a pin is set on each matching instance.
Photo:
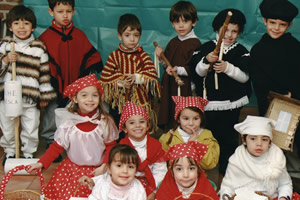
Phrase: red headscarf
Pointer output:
(129, 110)
(184, 102)
(89, 80)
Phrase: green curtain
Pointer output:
(99, 18)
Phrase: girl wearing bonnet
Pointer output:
(257, 164)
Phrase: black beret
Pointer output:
(237, 18)
(278, 9)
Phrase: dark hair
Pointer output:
(20, 12)
(191, 162)
(244, 139)
(195, 109)
(53, 3)
(183, 9)
(129, 20)
(127, 154)
(237, 18)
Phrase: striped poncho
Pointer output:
(121, 62)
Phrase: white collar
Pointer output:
(187, 36)
(140, 144)
(186, 192)
(23, 42)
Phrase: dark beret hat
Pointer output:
(237, 18)
(278, 9)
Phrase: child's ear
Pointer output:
(74, 99)
(50, 12)
(243, 141)
(119, 36)
(265, 21)
(194, 24)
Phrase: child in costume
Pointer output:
(183, 16)
(129, 73)
(275, 49)
(72, 56)
(225, 103)
(134, 122)
(120, 182)
(32, 70)
(86, 132)
(257, 164)
(190, 118)
(185, 179)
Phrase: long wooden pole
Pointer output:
(16, 119)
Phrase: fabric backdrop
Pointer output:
(99, 18)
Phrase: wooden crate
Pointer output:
(286, 111)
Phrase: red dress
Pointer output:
(169, 191)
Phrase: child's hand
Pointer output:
(170, 70)
(43, 104)
(100, 170)
(158, 51)
(211, 57)
(86, 180)
(220, 66)
(151, 196)
(130, 78)
(11, 57)
(34, 168)
(194, 135)
(289, 94)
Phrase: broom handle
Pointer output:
(16, 120)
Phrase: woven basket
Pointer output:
(227, 197)
(21, 194)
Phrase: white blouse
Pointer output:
(105, 189)
(83, 148)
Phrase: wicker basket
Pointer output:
(227, 197)
(21, 194)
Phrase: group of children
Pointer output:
(62, 67)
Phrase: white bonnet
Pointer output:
(254, 125)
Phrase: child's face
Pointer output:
(121, 173)
(183, 26)
(87, 99)
(21, 28)
(257, 145)
(231, 34)
(189, 120)
(62, 14)
(276, 27)
(136, 127)
(185, 174)
(130, 37)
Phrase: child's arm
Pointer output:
(51, 154)
(285, 188)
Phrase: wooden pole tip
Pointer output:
(229, 13)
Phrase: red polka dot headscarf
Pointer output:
(129, 110)
(192, 149)
(184, 102)
(89, 80)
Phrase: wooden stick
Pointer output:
(221, 36)
(16, 120)
(175, 75)
(216, 74)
